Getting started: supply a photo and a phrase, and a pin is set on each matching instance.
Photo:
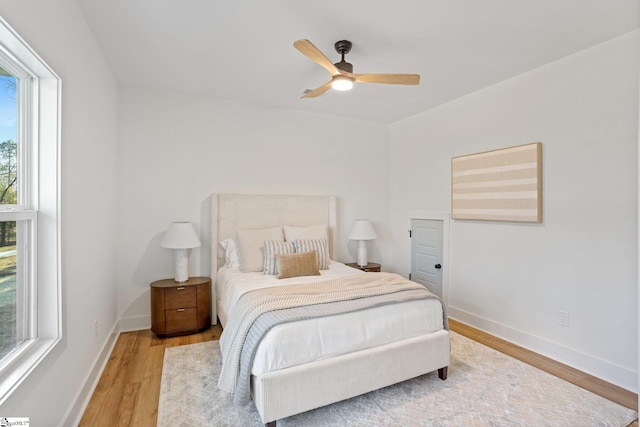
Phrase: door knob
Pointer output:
(438, 266)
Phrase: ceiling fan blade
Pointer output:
(394, 79)
(318, 91)
(309, 50)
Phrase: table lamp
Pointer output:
(181, 237)
(362, 231)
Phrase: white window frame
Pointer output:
(38, 207)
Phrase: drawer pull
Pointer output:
(180, 288)
(181, 309)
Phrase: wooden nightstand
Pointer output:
(180, 308)
(372, 267)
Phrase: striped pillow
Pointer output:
(320, 246)
(271, 248)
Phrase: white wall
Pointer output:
(57, 31)
(510, 279)
(175, 150)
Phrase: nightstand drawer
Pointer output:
(180, 297)
(181, 319)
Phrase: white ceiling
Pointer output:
(243, 50)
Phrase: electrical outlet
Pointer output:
(562, 318)
(95, 328)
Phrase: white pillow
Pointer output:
(231, 258)
(319, 245)
(250, 246)
(271, 249)
(292, 233)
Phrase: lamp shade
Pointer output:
(180, 235)
(362, 230)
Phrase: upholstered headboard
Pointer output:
(233, 212)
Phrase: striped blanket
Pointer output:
(260, 310)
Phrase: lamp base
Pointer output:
(362, 253)
(182, 265)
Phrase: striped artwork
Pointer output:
(499, 185)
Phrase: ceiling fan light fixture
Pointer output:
(342, 76)
(340, 82)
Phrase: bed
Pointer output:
(320, 369)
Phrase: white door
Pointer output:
(426, 254)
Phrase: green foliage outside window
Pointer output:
(8, 195)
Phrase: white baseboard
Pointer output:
(137, 323)
(614, 374)
(75, 412)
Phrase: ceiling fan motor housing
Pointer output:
(344, 66)
(343, 47)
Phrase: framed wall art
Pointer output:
(498, 185)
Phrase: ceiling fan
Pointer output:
(342, 75)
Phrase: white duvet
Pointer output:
(306, 341)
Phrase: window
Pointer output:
(11, 328)
(30, 305)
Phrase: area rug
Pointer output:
(484, 388)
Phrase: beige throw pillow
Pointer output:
(298, 264)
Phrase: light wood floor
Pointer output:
(127, 393)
